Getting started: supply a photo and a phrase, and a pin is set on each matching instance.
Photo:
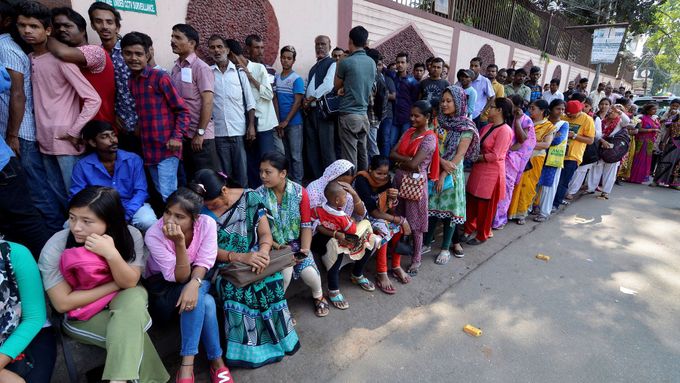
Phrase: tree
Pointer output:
(664, 42)
(639, 13)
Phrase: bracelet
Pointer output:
(334, 232)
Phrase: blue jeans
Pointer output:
(387, 136)
(164, 176)
(59, 169)
(199, 324)
(232, 154)
(45, 197)
(144, 218)
(292, 141)
(264, 143)
(568, 171)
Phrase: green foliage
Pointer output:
(664, 43)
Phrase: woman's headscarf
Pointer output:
(453, 126)
(315, 190)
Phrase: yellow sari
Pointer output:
(525, 191)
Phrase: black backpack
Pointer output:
(621, 142)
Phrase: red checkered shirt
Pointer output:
(162, 112)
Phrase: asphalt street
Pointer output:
(604, 308)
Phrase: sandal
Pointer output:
(222, 374)
(321, 307)
(475, 242)
(363, 282)
(540, 218)
(569, 197)
(402, 278)
(603, 196)
(458, 253)
(413, 269)
(521, 221)
(389, 289)
(443, 257)
(338, 301)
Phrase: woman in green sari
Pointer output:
(258, 326)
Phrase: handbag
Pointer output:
(240, 274)
(621, 145)
(448, 184)
(412, 187)
(404, 246)
(329, 105)
(591, 154)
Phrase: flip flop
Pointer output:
(321, 307)
(385, 289)
(405, 280)
(363, 282)
(339, 301)
(443, 257)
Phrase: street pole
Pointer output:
(598, 68)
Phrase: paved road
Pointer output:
(604, 308)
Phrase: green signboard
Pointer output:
(141, 6)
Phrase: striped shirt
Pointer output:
(13, 58)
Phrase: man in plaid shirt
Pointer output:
(163, 115)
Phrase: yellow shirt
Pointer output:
(584, 126)
(499, 90)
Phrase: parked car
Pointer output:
(663, 101)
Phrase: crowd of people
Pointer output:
(132, 191)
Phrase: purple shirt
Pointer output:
(202, 80)
(201, 252)
(484, 90)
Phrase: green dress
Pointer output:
(450, 203)
(258, 326)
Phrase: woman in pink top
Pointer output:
(183, 247)
(486, 184)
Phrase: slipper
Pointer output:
(363, 282)
(458, 253)
(339, 301)
(501, 227)
(603, 196)
(405, 280)
(569, 197)
(475, 242)
(413, 269)
(443, 257)
(521, 221)
(389, 290)
(540, 218)
(321, 307)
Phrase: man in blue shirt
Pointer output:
(484, 89)
(115, 168)
(408, 90)
(354, 80)
(290, 90)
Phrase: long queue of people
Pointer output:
(218, 151)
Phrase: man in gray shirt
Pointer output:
(354, 79)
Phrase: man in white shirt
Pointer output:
(554, 93)
(485, 92)
(597, 95)
(262, 141)
(233, 111)
(319, 132)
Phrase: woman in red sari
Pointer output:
(644, 144)
(416, 155)
(486, 184)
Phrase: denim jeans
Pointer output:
(144, 218)
(164, 176)
(319, 143)
(46, 199)
(199, 324)
(292, 141)
(232, 154)
(59, 169)
(372, 145)
(387, 134)
(570, 167)
(264, 143)
(19, 220)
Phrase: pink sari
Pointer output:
(644, 149)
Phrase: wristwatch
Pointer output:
(200, 132)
